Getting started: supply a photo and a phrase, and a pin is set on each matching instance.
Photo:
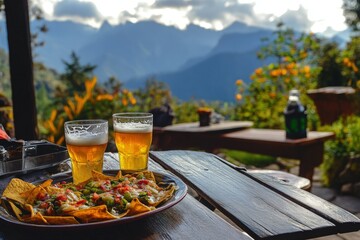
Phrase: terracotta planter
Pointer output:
(333, 102)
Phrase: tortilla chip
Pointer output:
(100, 176)
(36, 219)
(30, 209)
(168, 194)
(57, 220)
(93, 214)
(137, 207)
(15, 188)
(32, 195)
(17, 211)
(53, 190)
(149, 175)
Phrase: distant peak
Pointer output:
(105, 26)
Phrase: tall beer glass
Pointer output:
(133, 136)
(86, 142)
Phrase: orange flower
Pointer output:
(354, 67)
(102, 97)
(68, 112)
(239, 82)
(287, 80)
(294, 72)
(306, 69)
(53, 115)
(272, 95)
(274, 73)
(290, 66)
(238, 97)
(124, 101)
(258, 71)
(133, 101)
(60, 140)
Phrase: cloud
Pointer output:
(73, 8)
(172, 4)
(297, 19)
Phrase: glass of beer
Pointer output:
(86, 142)
(133, 136)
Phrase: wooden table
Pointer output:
(191, 135)
(271, 142)
(309, 151)
(263, 208)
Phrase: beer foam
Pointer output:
(86, 139)
(132, 127)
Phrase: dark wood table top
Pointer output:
(264, 208)
(274, 136)
(224, 126)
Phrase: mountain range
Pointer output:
(195, 62)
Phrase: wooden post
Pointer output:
(21, 69)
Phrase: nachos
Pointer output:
(98, 199)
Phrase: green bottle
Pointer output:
(295, 117)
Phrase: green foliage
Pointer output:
(75, 75)
(154, 94)
(331, 66)
(352, 13)
(340, 152)
(248, 159)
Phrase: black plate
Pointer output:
(164, 178)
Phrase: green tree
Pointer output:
(352, 13)
(331, 67)
(75, 75)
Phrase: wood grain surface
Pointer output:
(253, 205)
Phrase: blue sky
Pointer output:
(323, 16)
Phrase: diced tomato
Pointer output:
(41, 196)
(143, 181)
(44, 205)
(50, 211)
(95, 197)
(123, 189)
(117, 186)
(103, 187)
(117, 200)
(81, 202)
(61, 197)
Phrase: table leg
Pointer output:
(311, 157)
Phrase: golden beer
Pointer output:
(133, 141)
(86, 150)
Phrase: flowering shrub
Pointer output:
(266, 96)
(342, 155)
(89, 105)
